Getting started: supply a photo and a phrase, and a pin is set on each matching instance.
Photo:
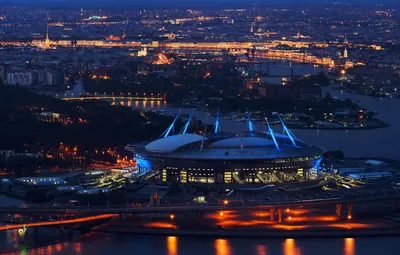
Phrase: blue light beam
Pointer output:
(187, 125)
(271, 132)
(171, 127)
(287, 131)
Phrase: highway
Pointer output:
(287, 200)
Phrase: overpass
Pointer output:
(348, 197)
(110, 97)
(57, 222)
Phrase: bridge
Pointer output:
(111, 97)
(286, 200)
(57, 222)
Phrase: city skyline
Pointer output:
(153, 122)
(188, 4)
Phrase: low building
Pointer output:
(371, 175)
(41, 181)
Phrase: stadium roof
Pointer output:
(247, 142)
(172, 143)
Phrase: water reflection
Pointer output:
(289, 247)
(61, 248)
(172, 245)
(78, 248)
(261, 249)
(222, 247)
(349, 246)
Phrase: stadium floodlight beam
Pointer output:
(171, 127)
(286, 130)
(250, 124)
(271, 132)
(187, 124)
(217, 128)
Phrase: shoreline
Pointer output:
(337, 128)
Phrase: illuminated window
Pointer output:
(183, 176)
(164, 175)
(227, 177)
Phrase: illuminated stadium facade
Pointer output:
(216, 157)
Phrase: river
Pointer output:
(104, 244)
(382, 142)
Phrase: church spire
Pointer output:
(47, 37)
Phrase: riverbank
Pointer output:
(382, 125)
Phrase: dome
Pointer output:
(172, 143)
(248, 142)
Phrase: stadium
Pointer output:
(216, 157)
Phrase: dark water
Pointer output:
(383, 142)
(99, 244)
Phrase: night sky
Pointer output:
(181, 3)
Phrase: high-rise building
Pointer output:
(19, 78)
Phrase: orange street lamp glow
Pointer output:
(172, 216)
(221, 214)
(226, 202)
(349, 217)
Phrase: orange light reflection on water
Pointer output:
(49, 250)
(78, 248)
(222, 247)
(58, 247)
(172, 245)
(289, 247)
(261, 250)
(349, 246)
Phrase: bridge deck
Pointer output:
(233, 205)
(58, 222)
